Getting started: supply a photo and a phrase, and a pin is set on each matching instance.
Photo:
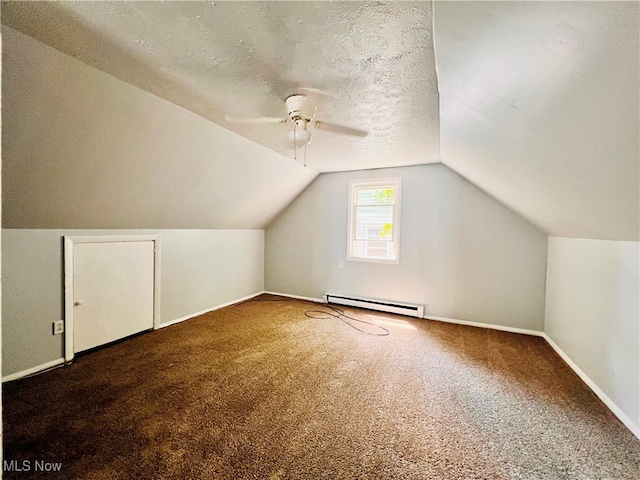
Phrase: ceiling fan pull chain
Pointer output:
(295, 141)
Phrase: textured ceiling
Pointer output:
(374, 61)
(534, 102)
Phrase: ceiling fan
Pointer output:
(301, 112)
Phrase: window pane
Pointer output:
(382, 250)
(378, 232)
(375, 196)
(374, 223)
(382, 214)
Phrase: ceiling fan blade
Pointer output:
(229, 119)
(335, 128)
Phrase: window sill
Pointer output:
(374, 260)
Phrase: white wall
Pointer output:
(464, 255)
(539, 108)
(82, 149)
(200, 269)
(593, 314)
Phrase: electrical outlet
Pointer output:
(58, 327)
(340, 264)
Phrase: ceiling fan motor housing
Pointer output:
(299, 107)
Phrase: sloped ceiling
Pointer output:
(373, 62)
(534, 102)
(539, 107)
(82, 149)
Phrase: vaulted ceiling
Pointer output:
(540, 107)
(366, 65)
(534, 102)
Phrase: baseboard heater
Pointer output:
(380, 305)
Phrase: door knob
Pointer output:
(77, 303)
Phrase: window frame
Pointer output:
(396, 184)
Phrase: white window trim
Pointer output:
(353, 184)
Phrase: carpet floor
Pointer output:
(259, 390)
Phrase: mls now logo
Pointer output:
(28, 466)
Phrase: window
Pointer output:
(374, 220)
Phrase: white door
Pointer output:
(113, 289)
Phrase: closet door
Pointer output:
(113, 291)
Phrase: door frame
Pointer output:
(69, 242)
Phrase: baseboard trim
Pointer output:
(635, 429)
(33, 370)
(502, 328)
(55, 363)
(630, 424)
(297, 297)
(217, 307)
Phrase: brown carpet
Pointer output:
(259, 390)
